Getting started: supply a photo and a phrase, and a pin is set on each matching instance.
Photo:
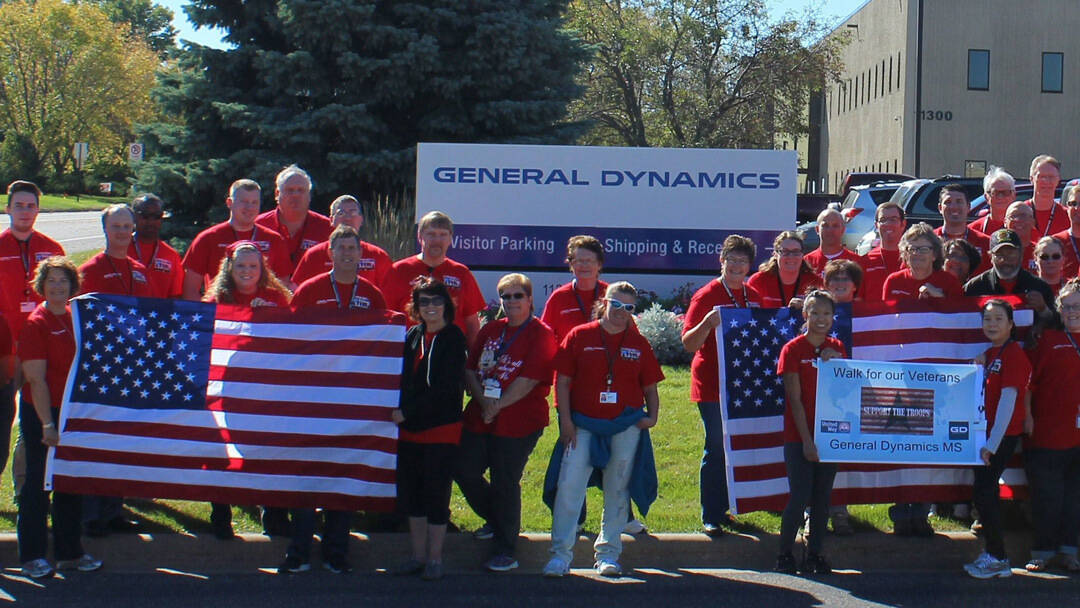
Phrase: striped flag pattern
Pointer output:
(752, 401)
(188, 400)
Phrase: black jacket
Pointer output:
(432, 395)
(988, 284)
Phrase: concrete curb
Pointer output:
(866, 551)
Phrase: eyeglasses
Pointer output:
(1001, 192)
(840, 278)
(1049, 256)
(789, 253)
(921, 249)
(1072, 203)
(617, 305)
(519, 295)
(346, 213)
(1070, 308)
(431, 301)
(151, 216)
(736, 260)
(888, 220)
(584, 262)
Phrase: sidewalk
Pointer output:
(865, 551)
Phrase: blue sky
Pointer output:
(837, 9)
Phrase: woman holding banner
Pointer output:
(1008, 373)
(785, 276)
(1052, 453)
(922, 277)
(47, 348)
(810, 481)
(699, 337)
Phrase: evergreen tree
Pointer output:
(346, 89)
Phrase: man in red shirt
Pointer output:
(374, 263)
(166, 271)
(435, 233)
(1000, 190)
(954, 206)
(204, 256)
(884, 259)
(341, 287)
(1070, 239)
(1020, 218)
(830, 228)
(1050, 218)
(293, 219)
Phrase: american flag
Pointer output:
(175, 399)
(752, 400)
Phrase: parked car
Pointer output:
(808, 206)
(1024, 189)
(866, 178)
(919, 199)
(858, 209)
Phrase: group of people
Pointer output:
(586, 345)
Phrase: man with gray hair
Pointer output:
(999, 188)
(293, 218)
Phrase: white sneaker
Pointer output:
(38, 568)
(83, 563)
(606, 567)
(634, 527)
(556, 568)
(987, 566)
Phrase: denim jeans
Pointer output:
(7, 417)
(335, 536)
(498, 501)
(32, 525)
(810, 485)
(714, 496)
(1054, 479)
(573, 479)
(986, 494)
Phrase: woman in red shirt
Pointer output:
(243, 279)
(1052, 453)
(785, 276)
(1050, 262)
(1007, 374)
(47, 348)
(572, 304)
(810, 481)
(699, 337)
(923, 256)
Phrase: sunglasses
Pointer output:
(1072, 203)
(519, 295)
(431, 300)
(1049, 256)
(151, 216)
(617, 305)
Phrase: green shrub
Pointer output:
(663, 329)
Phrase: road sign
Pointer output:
(135, 152)
(81, 151)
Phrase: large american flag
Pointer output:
(175, 399)
(752, 396)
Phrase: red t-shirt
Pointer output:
(978, 239)
(705, 368)
(163, 266)
(459, 281)
(262, 297)
(374, 263)
(800, 357)
(817, 260)
(529, 354)
(986, 225)
(901, 285)
(319, 291)
(1070, 255)
(316, 229)
(1007, 366)
(584, 356)
(877, 266)
(563, 312)
(1055, 392)
(103, 274)
(52, 338)
(18, 260)
(773, 295)
(206, 251)
(1053, 220)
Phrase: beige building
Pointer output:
(935, 87)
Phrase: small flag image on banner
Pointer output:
(896, 411)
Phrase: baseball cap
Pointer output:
(1004, 237)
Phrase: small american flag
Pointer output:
(175, 399)
(752, 396)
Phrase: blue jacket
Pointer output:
(643, 482)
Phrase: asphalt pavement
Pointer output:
(75, 230)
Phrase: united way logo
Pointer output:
(835, 426)
(959, 430)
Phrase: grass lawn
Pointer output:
(86, 202)
(677, 440)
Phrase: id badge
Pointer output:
(27, 307)
(609, 397)
(492, 390)
(487, 359)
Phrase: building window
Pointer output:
(1051, 72)
(978, 70)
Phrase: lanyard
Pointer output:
(138, 251)
(783, 301)
(580, 304)
(24, 255)
(337, 296)
(997, 357)
(236, 235)
(610, 357)
(745, 299)
(1073, 342)
(1049, 221)
(505, 345)
(986, 222)
(120, 276)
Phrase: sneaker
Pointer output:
(293, 565)
(432, 571)
(712, 530)
(609, 568)
(921, 527)
(337, 565)
(1036, 564)
(841, 524)
(1068, 563)
(987, 566)
(556, 568)
(484, 532)
(501, 563)
(785, 564)
(976, 528)
(83, 563)
(408, 568)
(634, 527)
(816, 564)
(38, 568)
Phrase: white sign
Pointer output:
(80, 151)
(135, 152)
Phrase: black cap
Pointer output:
(1003, 237)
